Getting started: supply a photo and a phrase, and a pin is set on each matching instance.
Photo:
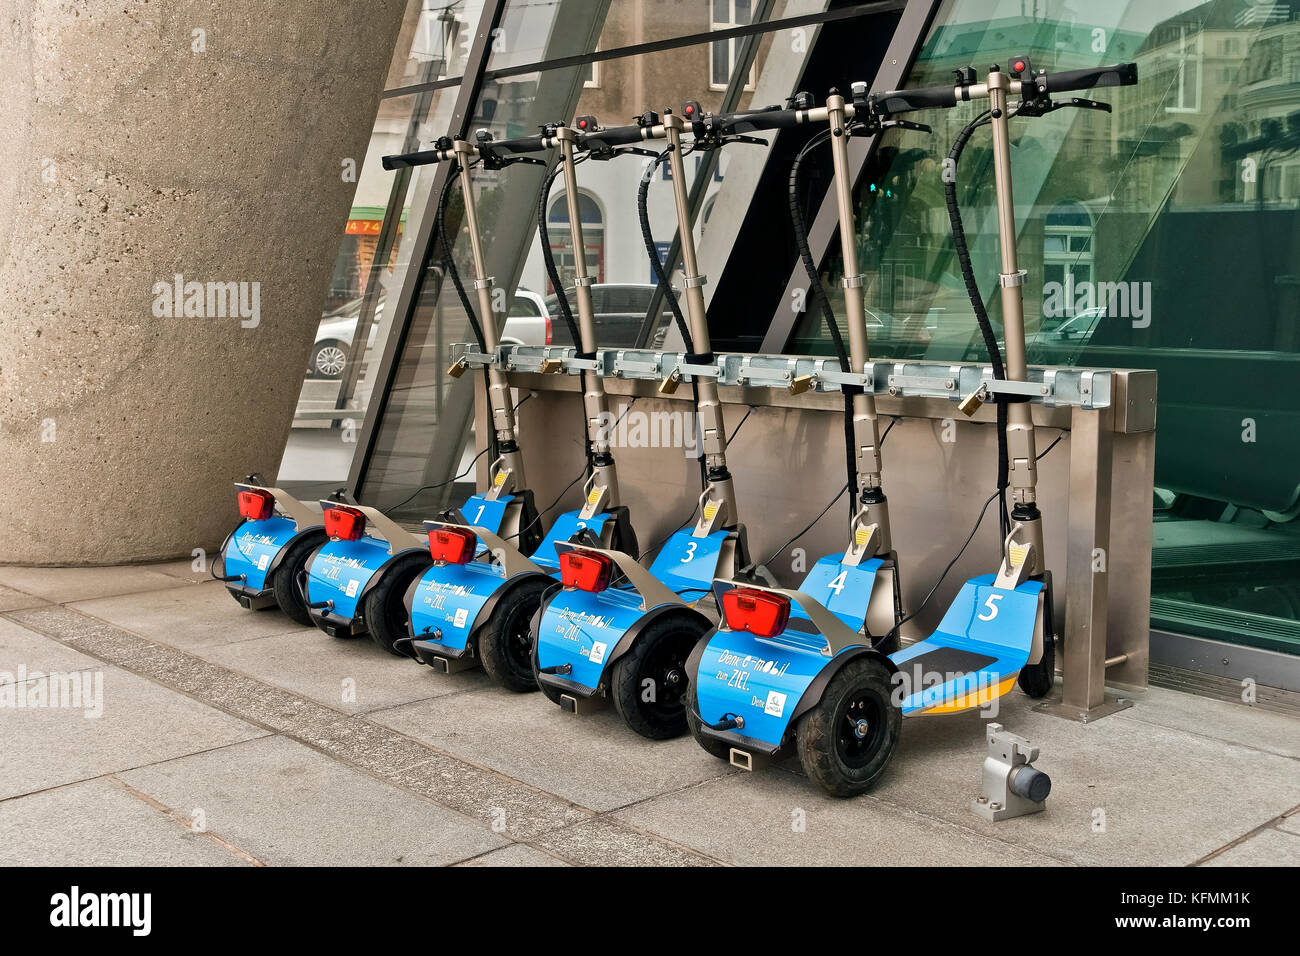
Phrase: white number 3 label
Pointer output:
(690, 552)
(992, 607)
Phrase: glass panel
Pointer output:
(422, 409)
(1165, 235)
(368, 268)
(434, 41)
(533, 31)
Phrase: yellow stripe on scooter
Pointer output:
(974, 698)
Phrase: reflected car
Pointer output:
(620, 310)
(527, 323)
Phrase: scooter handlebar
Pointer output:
(529, 144)
(615, 136)
(753, 121)
(905, 101)
(1119, 74)
(423, 157)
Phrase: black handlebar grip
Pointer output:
(617, 136)
(904, 101)
(406, 160)
(752, 121)
(529, 144)
(1120, 74)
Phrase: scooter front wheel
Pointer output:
(505, 641)
(846, 741)
(1036, 680)
(384, 606)
(284, 581)
(648, 683)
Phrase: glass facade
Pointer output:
(1164, 235)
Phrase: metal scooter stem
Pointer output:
(1021, 449)
(866, 430)
(718, 503)
(602, 490)
(508, 469)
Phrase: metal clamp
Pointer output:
(1011, 787)
(584, 280)
(853, 282)
(484, 283)
(1013, 279)
(693, 282)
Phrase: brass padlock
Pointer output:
(458, 367)
(801, 384)
(973, 402)
(669, 385)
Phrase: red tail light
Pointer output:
(755, 611)
(585, 571)
(256, 505)
(344, 524)
(548, 330)
(453, 545)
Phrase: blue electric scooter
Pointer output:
(784, 668)
(473, 605)
(615, 632)
(358, 581)
(262, 558)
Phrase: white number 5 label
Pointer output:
(992, 607)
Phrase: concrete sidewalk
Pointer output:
(235, 738)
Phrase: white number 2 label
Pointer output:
(690, 552)
(992, 607)
(837, 582)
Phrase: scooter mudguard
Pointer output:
(449, 602)
(251, 552)
(340, 573)
(590, 631)
(765, 680)
(973, 658)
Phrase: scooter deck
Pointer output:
(983, 641)
(580, 628)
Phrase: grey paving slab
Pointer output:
(1291, 824)
(353, 676)
(287, 804)
(96, 823)
(190, 616)
(594, 760)
(1269, 847)
(22, 650)
(755, 820)
(141, 723)
(12, 599)
(81, 584)
(1124, 791)
(184, 569)
(516, 854)
(457, 784)
(1237, 723)
(603, 841)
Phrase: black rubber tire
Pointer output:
(284, 580)
(661, 647)
(384, 607)
(505, 640)
(1037, 680)
(832, 756)
(712, 746)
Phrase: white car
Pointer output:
(527, 323)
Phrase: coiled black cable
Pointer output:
(562, 300)
(818, 294)
(977, 304)
(449, 266)
(661, 277)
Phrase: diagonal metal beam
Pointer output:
(423, 246)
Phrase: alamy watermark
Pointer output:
(634, 428)
(1121, 300)
(37, 690)
(180, 298)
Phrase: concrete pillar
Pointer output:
(142, 140)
